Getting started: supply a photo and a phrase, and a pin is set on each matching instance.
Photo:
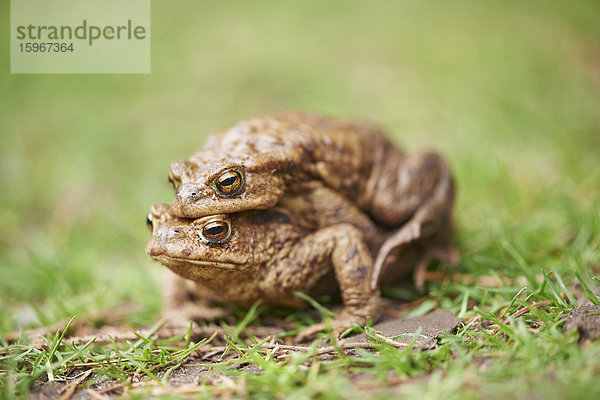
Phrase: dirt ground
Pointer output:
(393, 329)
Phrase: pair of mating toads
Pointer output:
(297, 202)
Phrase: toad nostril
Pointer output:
(193, 194)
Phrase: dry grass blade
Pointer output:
(392, 342)
(526, 309)
(69, 389)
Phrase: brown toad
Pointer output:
(260, 255)
(268, 256)
(280, 158)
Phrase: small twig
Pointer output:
(392, 342)
(69, 389)
(284, 347)
(344, 346)
(96, 363)
(329, 349)
(215, 350)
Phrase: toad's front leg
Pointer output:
(342, 248)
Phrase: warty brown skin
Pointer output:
(349, 167)
(267, 257)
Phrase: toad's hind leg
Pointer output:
(425, 184)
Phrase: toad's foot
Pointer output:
(407, 234)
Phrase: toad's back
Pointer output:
(347, 156)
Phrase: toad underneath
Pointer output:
(266, 255)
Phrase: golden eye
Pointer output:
(149, 223)
(174, 182)
(216, 231)
(229, 183)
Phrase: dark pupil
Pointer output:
(149, 223)
(215, 230)
(228, 181)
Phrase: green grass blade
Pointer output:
(564, 288)
(554, 293)
(591, 296)
(315, 304)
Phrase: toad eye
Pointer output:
(229, 183)
(215, 231)
(174, 182)
(149, 223)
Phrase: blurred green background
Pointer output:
(509, 91)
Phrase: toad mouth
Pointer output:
(219, 264)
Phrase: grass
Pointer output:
(508, 91)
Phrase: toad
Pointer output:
(265, 255)
(279, 158)
(262, 255)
